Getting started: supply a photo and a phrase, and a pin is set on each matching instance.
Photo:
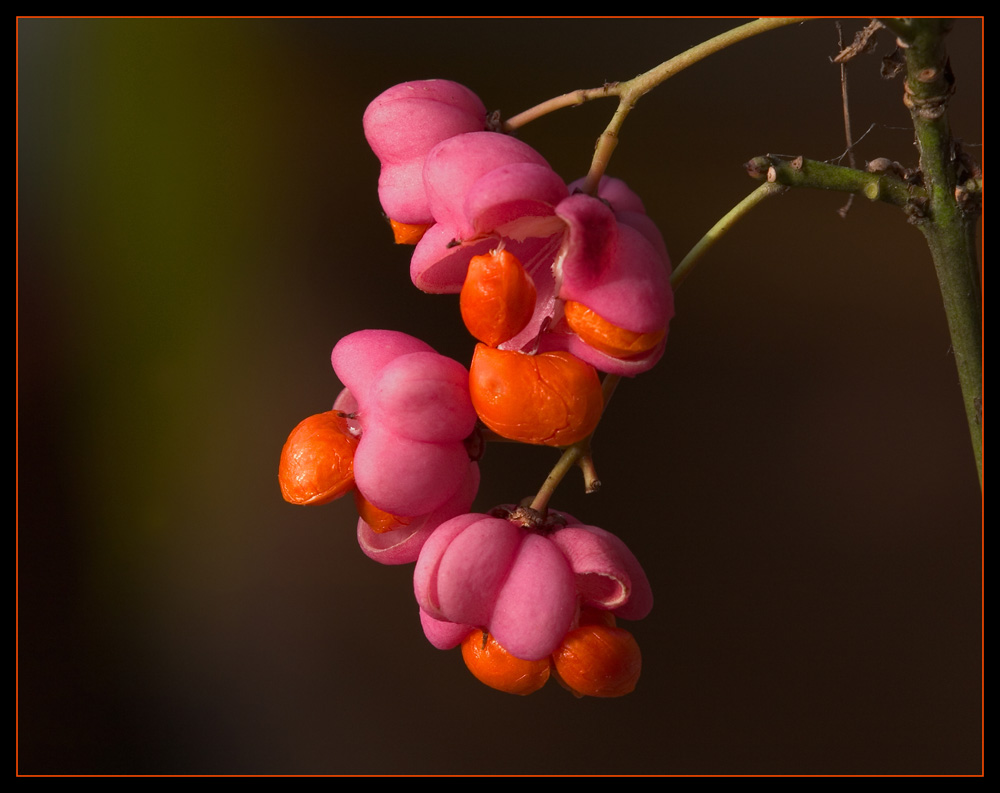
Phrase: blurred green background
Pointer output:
(198, 225)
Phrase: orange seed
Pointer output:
(497, 298)
(552, 398)
(379, 520)
(609, 339)
(317, 461)
(408, 233)
(598, 661)
(497, 668)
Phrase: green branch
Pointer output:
(951, 218)
(879, 184)
(714, 234)
(942, 198)
(631, 91)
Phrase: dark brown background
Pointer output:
(199, 224)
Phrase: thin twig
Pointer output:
(851, 160)
(631, 91)
(714, 234)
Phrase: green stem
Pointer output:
(630, 91)
(714, 234)
(562, 467)
(949, 222)
(578, 453)
(885, 185)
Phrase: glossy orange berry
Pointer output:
(552, 398)
(497, 298)
(494, 666)
(598, 661)
(408, 233)
(379, 520)
(606, 337)
(317, 461)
